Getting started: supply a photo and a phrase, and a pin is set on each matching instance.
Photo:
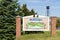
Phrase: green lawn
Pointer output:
(41, 36)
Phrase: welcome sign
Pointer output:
(40, 23)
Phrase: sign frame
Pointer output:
(37, 29)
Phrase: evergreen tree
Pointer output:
(9, 9)
(32, 12)
(58, 22)
(25, 10)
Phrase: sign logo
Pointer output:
(35, 23)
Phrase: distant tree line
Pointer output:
(58, 22)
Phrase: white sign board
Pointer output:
(40, 23)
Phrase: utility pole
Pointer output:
(47, 7)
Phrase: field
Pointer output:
(41, 36)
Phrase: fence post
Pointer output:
(18, 27)
(53, 25)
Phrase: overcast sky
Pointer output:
(40, 6)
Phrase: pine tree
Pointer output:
(25, 10)
(9, 9)
(32, 12)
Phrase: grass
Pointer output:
(41, 36)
